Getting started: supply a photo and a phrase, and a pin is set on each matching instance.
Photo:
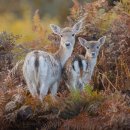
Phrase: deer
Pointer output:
(42, 70)
(78, 69)
(73, 72)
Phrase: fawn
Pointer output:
(42, 70)
(73, 72)
(78, 69)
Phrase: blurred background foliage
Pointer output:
(18, 18)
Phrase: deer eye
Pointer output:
(97, 47)
(61, 35)
(73, 35)
(87, 47)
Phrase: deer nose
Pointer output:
(93, 53)
(67, 44)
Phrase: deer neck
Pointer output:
(92, 61)
(62, 55)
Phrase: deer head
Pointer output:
(92, 47)
(67, 34)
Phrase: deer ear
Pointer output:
(56, 29)
(102, 40)
(77, 27)
(82, 41)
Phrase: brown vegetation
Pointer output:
(106, 107)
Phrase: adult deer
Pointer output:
(42, 70)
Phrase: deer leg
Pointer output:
(54, 88)
(80, 85)
(68, 85)
(74, 84)
(32, 88)
(43, 91)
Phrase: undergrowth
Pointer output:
(105, 107)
